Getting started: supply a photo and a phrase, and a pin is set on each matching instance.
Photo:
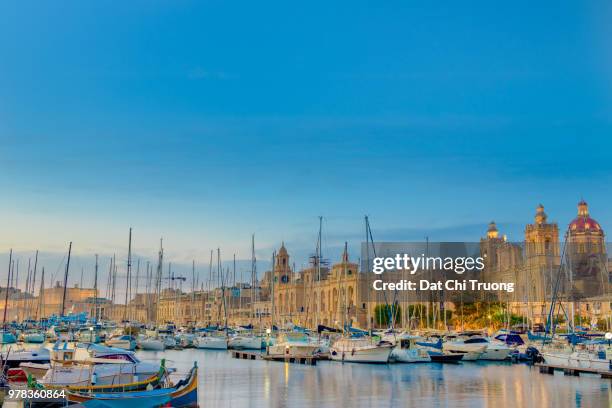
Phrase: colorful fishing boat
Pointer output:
(155, 381)
(183, 394)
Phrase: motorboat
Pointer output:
(125, 342)
(213, 341)
(150, 343)
(15, 358)
(599, 360)
(407, 350)
(292, 344)
(88, 364)
(245, 342)
(88, 335)
(169, 341)
(360, 350)
(471, 349)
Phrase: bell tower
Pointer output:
(542, 240)
(282, 270)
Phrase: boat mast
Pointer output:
(95, 311)
(253, 277)
(158, 277)
(127, 278)
(66, 280)
(222, 288)
(136, 289)
(33, 285)
(369, 325)
(41, 295)
(272, 291)
(8, 281)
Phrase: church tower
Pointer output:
(586, 254)
(542, 240)
(489, 247)
(542, 260)
(282, 270)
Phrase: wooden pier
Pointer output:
(550, 369)
(249, 355)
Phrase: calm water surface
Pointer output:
(228, 382)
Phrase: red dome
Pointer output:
(585, 224)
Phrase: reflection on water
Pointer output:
(228, 382)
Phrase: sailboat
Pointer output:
(359, 347)
(6, 337)
(245, 338)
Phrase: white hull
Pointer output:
(292, 350)
(414, 355)
(211, 343)
(122, 344)
(35, 370)
(245, 343)
(372, 354)
(577, 360)
(494, 353)
(470, 352)
(152, 345)
(467, 355)
(105, 374)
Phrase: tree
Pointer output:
(384, 314)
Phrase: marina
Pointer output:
(227, 381)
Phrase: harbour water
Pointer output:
(229, 382)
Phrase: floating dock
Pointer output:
(249, 355)
(550, 369)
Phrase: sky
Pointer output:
(206, 122)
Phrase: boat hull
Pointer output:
(578, 361)
(211, 343)
(245, 343)
(409, 355)
(292, 350)
(374, 354)
(496, 353)
(151, 345)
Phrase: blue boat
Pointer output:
(183, 394)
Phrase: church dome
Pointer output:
(583, 223)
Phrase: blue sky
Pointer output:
(205, 122)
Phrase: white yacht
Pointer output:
(599, 360)
(150, 343)
(407, 350)
(495, 350)
(245, 342)
(292, 344)
(471, 349)
(360, 350)
(213, 341)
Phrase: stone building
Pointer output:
(318, 294)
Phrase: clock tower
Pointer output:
(282, 270)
